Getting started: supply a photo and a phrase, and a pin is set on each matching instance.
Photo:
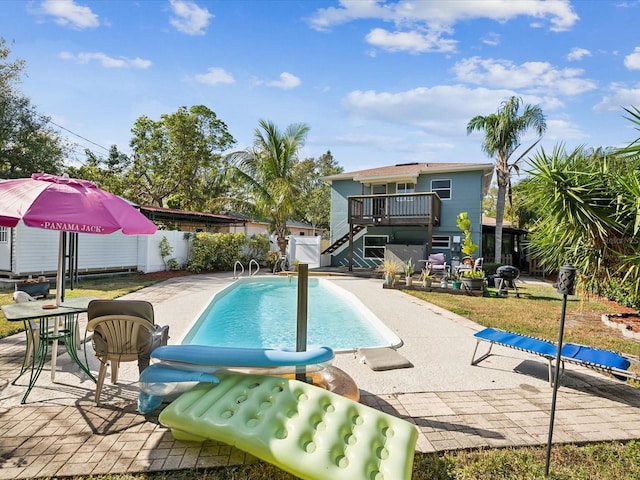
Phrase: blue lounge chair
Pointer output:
(613, 363)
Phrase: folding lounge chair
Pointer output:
(613, 363)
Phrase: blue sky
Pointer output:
(379, 83)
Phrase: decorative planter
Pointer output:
(426, 283)
(473, 283)
(409, 281)
(456, 284)
(388, 279)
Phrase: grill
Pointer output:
(507, 276)
(507, 272)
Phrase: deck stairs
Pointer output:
(355, 229)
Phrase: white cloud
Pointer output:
(442, 109)
(67, 13)
(287, 81)
(536, 76)
(578, 54)
(215, 76)
(105, 60)
(559, 130)
(632, 61)
(325, 18)
(413, 41)
(491, 39)
(621, 97)
(189, 18)
(441, 15)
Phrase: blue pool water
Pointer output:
(261, 312)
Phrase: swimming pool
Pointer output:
(261, 312)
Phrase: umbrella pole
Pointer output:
(59, 287)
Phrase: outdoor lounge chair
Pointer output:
(613, 363)
(123, 331)
(437, 264)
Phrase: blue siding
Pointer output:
(466, 196)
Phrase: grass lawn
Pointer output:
(110, 287)
(536, 312)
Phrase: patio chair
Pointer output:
(123, 331)
(477, 265)
(437, 264)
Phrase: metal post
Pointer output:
(301, 324)
(566, 286)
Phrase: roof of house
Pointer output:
(407, 170)
(290, 223)
(411, 171)
(489, 223)
(173, 215)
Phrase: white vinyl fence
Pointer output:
(35, 251)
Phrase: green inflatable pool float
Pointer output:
(305, 430)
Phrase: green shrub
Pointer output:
(216, 251)
(165, 250)
(616, 289)
(257, 248)
(490, 268)
(272, 258)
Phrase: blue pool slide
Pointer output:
(178, 368)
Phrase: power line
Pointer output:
(79, 136)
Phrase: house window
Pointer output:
(4, 234)
(405, 188)
(440, 241)
(442, 188)
(375, 246)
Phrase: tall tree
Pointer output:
(267, 172)
(108, 173)
(28, 144)
(177, 156)
(314, 203)
(503, 131)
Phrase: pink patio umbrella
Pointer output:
(67, 205)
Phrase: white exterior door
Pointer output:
(5, 249)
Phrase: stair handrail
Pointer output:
(252, 262)
(235, 265)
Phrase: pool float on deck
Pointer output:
(177, 368)
(308, 431)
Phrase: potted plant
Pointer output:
(468, 247)
(426, 278)
(409, 269)
(456, 283)
(389, 267)
(473, 279)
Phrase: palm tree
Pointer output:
(503, 130)
(267, 172)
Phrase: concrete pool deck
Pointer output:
(505, 401)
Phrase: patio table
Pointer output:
(41, 311)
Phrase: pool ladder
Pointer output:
(252, 262)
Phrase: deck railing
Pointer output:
(395, 209)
